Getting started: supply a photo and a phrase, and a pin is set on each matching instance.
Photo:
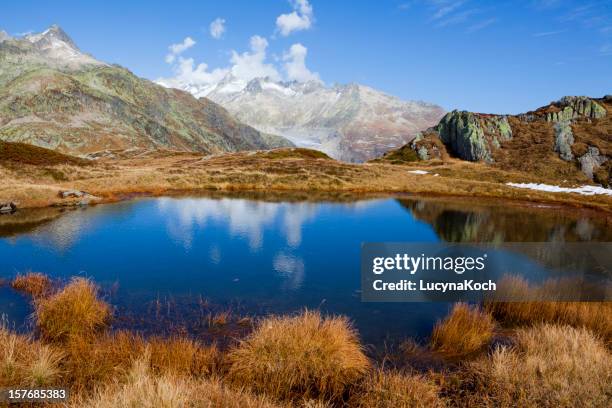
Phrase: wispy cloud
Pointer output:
(546, 4)
(482, 25)
(404, 6)
(548, 33)
(457, 18)
(445, 8)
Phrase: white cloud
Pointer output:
(301, 18)
(250, 65)
(295, 64)
(177, 49)
(187, 73)
(217, 28)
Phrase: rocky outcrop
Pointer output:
(575, 129)
(471, 136)
(591, 161)
(572, 107)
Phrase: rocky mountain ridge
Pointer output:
(569, 138)
(54, 96)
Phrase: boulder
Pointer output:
(8, 208)
(591, 161)
(564, 139)
(72, 193)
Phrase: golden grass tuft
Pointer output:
(303, 356)
(44, 370)
(596, 316)
(34, 284)
(550, 366)
(144, 389)
(465, 330)
(25, 362)
(91, 361)
(95, 361)
(76, 310)
(181, 356)
(392, 389)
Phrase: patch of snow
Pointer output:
(278, 88)
(584, 190)
(418, 172)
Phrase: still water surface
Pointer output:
(256, 256)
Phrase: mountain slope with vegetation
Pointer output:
(53, 95)
(568, 141)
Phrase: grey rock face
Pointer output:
(462, 133)
(564, 139)
(591, 161)
(473, 137)
(576, 106)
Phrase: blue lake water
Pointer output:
(257, 256)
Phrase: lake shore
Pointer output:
(308, 359)
(297, 171)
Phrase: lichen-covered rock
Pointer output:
(473, 136)
(428, 146)
(564, 139)
(462, 133)
(591, 161)
(423, 153)
(572, 107)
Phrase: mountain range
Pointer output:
(351, 122)
(55, 96)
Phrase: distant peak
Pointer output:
(52, 34)
(4, 36)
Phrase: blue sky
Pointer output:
(502, 57)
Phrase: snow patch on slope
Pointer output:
(584, 190)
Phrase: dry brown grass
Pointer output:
(550, 366)
(465, 330)
(26, 362)
(73, 311)
(307, 355)
(23, 153)
(144, 389)
(180, 356)
(390, 389)
(277, 171)
(596, 316)
(34, 284)
(94, 361)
